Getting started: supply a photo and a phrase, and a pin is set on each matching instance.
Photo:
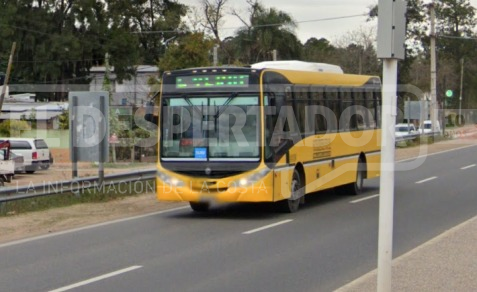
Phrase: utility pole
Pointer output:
(216, 55)
(391, 37)
(461, 88)
(7, 75)
(433, 108)
(274, 55)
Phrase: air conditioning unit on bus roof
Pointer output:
(299, 66)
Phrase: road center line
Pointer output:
(468, 166)
(267, 226)
(364, 199)
(426, 180)
(96, 279)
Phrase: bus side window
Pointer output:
(377, 96)
(318, 119)
(371, 105)
(301, 101)
(362, 119)
(333, 103)
(347, 119)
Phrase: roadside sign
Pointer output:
(89, 129)
(113, 139)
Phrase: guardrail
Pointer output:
(414, 136)
(73, 186)
(408, 137)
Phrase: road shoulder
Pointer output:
(444, 263)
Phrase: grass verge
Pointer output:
(95, 194)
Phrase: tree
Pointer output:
(319, 50)
(13, 128)
(60, 40)
(416, 29)
(214, 14)
(456, 20)
(191, 50)
(266, 29)
(356, 53)
(153, 21)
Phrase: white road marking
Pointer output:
(468, 166)
(96, 279)
(426, 180)
(435, 153)
(364, 199)
(267, 227)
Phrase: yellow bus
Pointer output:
(233, 134)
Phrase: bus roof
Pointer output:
(299, 66)
(295, 76)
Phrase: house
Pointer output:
(129, 92)
(45, 114)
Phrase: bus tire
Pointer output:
(292, 204)
(199, 206)
(355, 188)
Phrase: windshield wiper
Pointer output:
(226, 103)
(195, 107)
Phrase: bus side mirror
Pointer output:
(271, 99)
(283, 147)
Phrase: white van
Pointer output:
(35, 152)
(427, 127)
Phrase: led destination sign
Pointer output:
(212, 81)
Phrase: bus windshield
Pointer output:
(210, 128)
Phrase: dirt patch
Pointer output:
(37, 223)
(59, 219)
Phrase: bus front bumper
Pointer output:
(221, 191)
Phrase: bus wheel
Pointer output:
(292, 204)
(199, 206)
(355, 188)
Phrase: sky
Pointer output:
(308, 10)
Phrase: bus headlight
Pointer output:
(252, 179)
(172, 181)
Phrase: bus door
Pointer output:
(278, 144)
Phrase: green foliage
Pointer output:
(13, 128)
(32, 119)
(316, 50)
(267, 29)
(64, 120)
(59, 41)
(96, 194)
(191, 50)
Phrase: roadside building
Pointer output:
(45, 115)
(128, 92)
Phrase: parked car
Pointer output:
(47, 165)
(403, 130)
(427, 127)
(35, 152)
(7, 166)
(17, 159)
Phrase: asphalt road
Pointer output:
(329, 242)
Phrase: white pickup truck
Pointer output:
(7, 166)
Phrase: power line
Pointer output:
(265, 25)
